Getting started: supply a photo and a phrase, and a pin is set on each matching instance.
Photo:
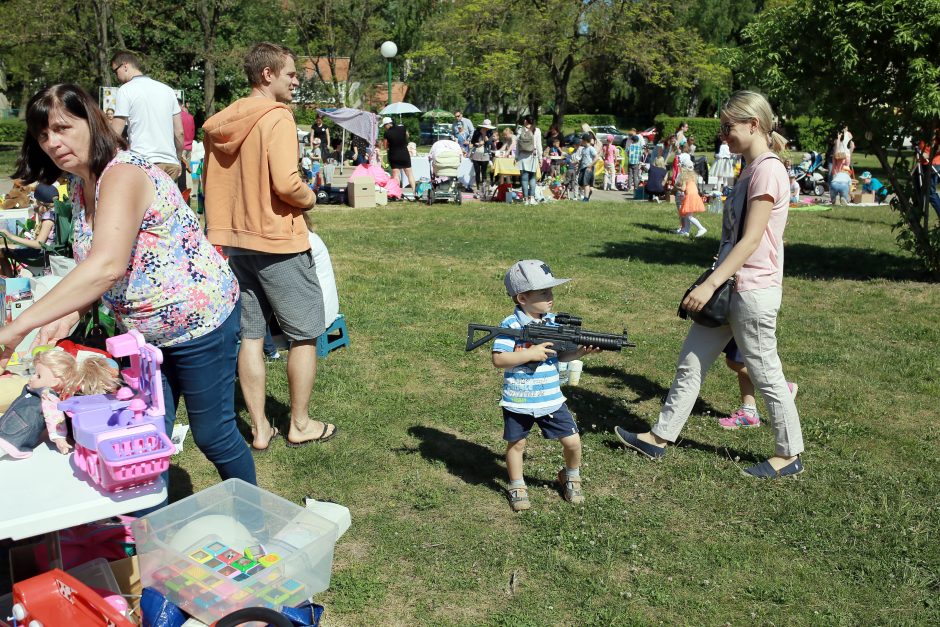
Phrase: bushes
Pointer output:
(12, 130)
(703, 129)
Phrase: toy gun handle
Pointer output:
(491, 334)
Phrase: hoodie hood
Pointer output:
(229, 128)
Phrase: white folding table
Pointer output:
(46, 493)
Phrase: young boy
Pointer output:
(586, 167)
(531, 391)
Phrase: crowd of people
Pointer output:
(205, 298)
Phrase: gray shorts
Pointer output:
(285, 285)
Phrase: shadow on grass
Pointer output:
(599, 413)
(278, 414)
(655, 228)
(468, 461)
(807, 261)
(181, 485)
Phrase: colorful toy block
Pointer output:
(270, 559)
(255, 552)
(200, 556)
(244, 564)
(229, 555)
(228, 571)
(215, 548)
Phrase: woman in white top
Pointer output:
(528, 157)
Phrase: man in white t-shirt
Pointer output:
(151, 113)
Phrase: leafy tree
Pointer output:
(332, 29)
(870, 65)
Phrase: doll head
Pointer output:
(66, 376)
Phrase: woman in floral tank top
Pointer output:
(140, 248)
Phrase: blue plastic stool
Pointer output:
(335, 337)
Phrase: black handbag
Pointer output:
(716, 310)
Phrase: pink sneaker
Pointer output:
(740, 419)
(793, 387)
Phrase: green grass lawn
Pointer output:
(419, 457)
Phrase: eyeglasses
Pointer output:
(725, 128)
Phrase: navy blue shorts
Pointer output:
(731, 350)
(556, 425)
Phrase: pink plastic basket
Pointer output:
(131, 457)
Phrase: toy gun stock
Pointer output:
(566, 336)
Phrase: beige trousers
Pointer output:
(754, 328)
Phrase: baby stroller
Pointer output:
(811, 175)
(444, 183)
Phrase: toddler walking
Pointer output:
(531, 389)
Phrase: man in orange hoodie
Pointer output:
(255, 200)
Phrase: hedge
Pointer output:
(12, 130)
(704, 130)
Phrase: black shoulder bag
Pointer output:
(716, 310)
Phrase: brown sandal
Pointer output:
(570, 488)
(519, 499)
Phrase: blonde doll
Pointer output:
(57, 375)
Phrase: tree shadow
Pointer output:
(668, 252)
(468, 461)
(810, 261)
(806, 261)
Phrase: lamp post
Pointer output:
(389, 50)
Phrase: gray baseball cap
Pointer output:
(528, 275)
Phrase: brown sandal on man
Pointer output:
(323, 437)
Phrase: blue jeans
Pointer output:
(528, 184)
(838, 189)
(203, 372)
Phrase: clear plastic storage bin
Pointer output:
(234, 545)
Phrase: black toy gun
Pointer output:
(567, 336)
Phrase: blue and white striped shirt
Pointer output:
(527, 390)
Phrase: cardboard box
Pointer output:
(360, 192)
(855, 197)
(867, 198)
(381, 196)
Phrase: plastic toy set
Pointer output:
(209, 597)
(120, 438)
(234, 545)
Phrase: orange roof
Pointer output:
(311, 65)
(379, 93)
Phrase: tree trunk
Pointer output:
(102, 12)
(208, 87)
(208, 21)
